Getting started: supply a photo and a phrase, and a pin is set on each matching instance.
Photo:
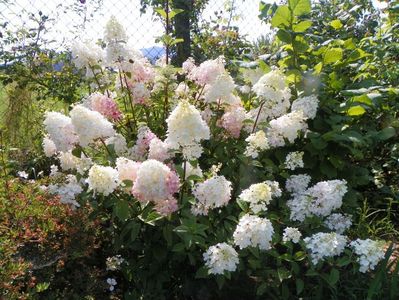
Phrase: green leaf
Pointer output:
(121, 210)
(264, 66)
(336, 24)
(284, 36)
(202, 272)
(175, 12)
(318, 67)
(333, 277)
(332, 55)
(283, 274)
(179, 247)
(356, 111)
(386, 133)
(262, 289)
(161, 11)
(362, 99)
(282, 16)
(302, 26)
(299, 286)
(77, 152)
(299, 7)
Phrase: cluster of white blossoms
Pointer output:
(186, 129)
(257, 142)
(258, 196)
(370, 253)
(297, 184)
(308, 105)
(220, 90)
(49, 147)
(103, 180)
(155, 181)
(90, 125)
(294, 160)
(60, 130)
(253, 231)
(322, 245)
(212, 193)
(67, 191)
(192, 170)
(220, 258)
(68, 161)
(158, 150)
(273, 90)
(114, 263)
(320, 200)
(232, 120)
(119, 143)
(86, 54)
(207, 72)
(338, 222)
(292, 234)
(286, 127)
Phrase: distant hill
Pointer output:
(153, 53)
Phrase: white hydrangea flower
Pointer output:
(49, 147)
(258, 196)
(208, 71)
(297, 183)
(114, 31)
(338, 222)
(294, 160)
(320, 200)
(220, 89)
(256, 142)
(103, 180)
(275, 188)
(292, 234)
(90, 125)
(220, 258)
(212, 193)
(308, 105)
(370, 253)
(127, 169)
(191, 170)
(185, 126)
(68, 191)
(253, 231)
(286, 127)
(158, 150)
(252, 76)
(119, 143)
(68, 161)
(323, 245)
(86, 54)
(60, 130)
(273, 90)
(155, 182)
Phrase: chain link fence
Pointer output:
(71, 19)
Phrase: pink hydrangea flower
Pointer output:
(105, 105)
(166, 207)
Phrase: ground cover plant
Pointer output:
(279, 182)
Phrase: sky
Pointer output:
(141, 28)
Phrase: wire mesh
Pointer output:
(85, 19)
